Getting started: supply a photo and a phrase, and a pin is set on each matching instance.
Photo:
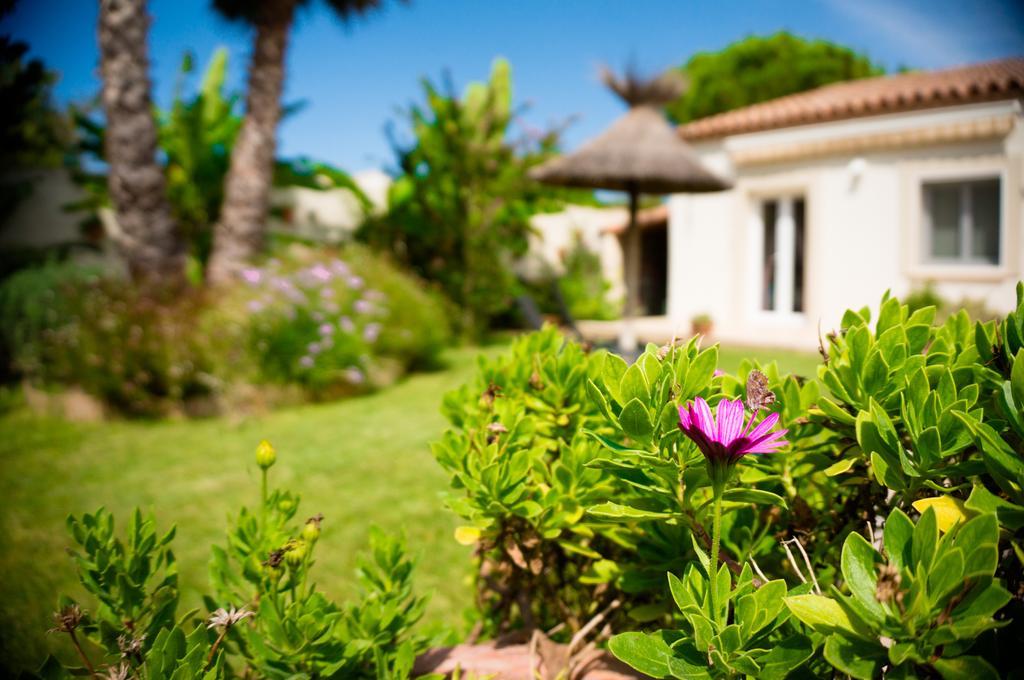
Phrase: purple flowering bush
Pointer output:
(334, 323)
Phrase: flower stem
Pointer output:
(716, 537)
(263, 500)
(81, 653)
(213, 650)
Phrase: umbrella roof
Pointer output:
(639, 152)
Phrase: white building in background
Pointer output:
(41, 220)
(839, 194)
(328, 215)
(556, 234)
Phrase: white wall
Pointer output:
(555, 233)
(863, 217)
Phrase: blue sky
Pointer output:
(355, 78)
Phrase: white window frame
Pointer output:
(965, 224)
(785, 259)
(919, 265)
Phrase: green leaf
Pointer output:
(897, 536)
(857, 658)
(926, 537)
(634, 386)
(786, 655)
(756, 496)
(836, 412)
(840, 467)
(886, 475)
(635, 421)
(612, 370)
(858, 566)
(618, 511)
(946, 574)
(700, 372)
(982, 500)
(965, 668)
(597, 396)
(821, 613)
(1017, 376)
(979, 540)
(648, 654)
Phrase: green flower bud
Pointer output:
(265, 455)
(295, 554)
(311, 531)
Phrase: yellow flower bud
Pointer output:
(265, 454)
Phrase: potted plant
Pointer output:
(701, 324)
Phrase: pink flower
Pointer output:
(354, 375)
(728, 440)
(252, 276)
(306, 362)
(320, 273)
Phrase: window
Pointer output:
(962, 221)
(782, 248)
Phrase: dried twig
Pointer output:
(757, 569)
(807, 561)
(593, 623)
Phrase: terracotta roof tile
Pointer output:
(988, 81)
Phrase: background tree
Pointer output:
(33, 134)
(459, 211)
(760, 68)
(196, 136)
(148, 238)
(240, 233)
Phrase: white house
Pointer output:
(839, 194)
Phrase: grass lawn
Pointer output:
(358, 462)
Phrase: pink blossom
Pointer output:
(371, 332)
(345, 324)
(326, 329)
(320, 273)
(252, 276)
(728, 440)
(306, 362)
(354, 375)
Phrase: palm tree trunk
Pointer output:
(240, 233)
(147, 236)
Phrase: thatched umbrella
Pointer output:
(639, 154)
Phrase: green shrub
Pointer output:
(135, 349)
(899, 486)
(33, 304)
(265, 618)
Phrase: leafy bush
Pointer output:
(32, 305)
(332, 322)
(283, 627)
(134, 348)
(581, 285)
(636, 478)
(331, 326)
